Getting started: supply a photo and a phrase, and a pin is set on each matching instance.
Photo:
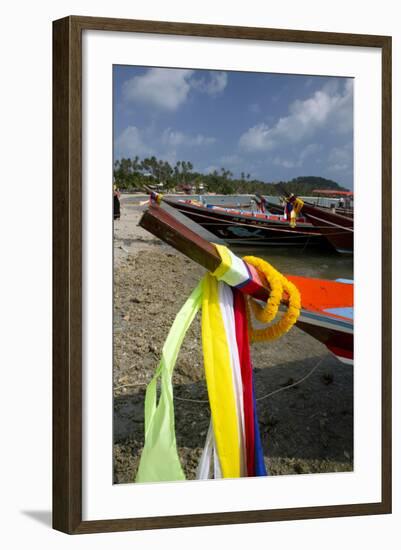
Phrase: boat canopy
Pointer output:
(333, 193)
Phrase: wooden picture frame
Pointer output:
(67, 273)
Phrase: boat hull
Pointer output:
(326, 305)
(240, 229)
(278, 209)
(337, 229)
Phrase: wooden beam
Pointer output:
(162, 224)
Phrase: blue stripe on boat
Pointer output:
(347, 312)
(348, 324)
(346, 281)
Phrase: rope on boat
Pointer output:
(292, 385)
(259, 225)
(263, 397)
(206, 401)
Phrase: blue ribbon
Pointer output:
(260, 468)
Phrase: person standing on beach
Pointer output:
(116, 203)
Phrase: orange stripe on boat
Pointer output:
(320, 294)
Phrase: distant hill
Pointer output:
(304, 185)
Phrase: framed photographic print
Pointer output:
(221, 274)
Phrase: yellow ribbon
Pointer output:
(225, 261)
(298, 204)
(219, 379)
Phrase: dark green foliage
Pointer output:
(304, 185)
(134, 174)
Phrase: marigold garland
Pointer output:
(278, 284)
(268, 313)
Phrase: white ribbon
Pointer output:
(238, 273)
(226, 301)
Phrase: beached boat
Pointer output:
(242, 227)
(341, 202)
(348, 213)
(327, 306)
(228, 205)
(337, 229)
(345, 210)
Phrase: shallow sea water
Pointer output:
(307, 262)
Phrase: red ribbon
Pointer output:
(241, 331)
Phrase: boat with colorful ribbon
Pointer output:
(327, 306)
(233, 443)
(249, 228)
(338, 229)
(343, 201)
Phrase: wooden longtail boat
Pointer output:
(242, 227)
(346, 205)
(327, 306)
(348, 213)
(274, 208)
(223, 205)
(337, 229)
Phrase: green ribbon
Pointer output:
(159, 459)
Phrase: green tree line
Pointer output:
(134, 174)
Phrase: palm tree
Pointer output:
(136, 164)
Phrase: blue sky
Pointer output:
(274, 127)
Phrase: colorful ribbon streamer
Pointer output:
(233, 440)
(159, 459)
(219, 379)
(241, 331)
(254, 450)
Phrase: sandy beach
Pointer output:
(305, 429)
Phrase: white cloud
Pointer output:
(173, 138)
(163, 88)
(209, 169)
(130, 143)
(341, 158)
(167, 146)
(217, 84)
(285, 163)
(230, 160)
(310, 150)
(169, 88)
(309, 83)
(213, 84)
(199, 139)
(257, 138)
(328, 109)
(344, 113)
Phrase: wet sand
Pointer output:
(305, 429)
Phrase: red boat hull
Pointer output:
(337, 229)
(240, 228)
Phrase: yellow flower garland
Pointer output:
(278, 284)
(268, 313)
